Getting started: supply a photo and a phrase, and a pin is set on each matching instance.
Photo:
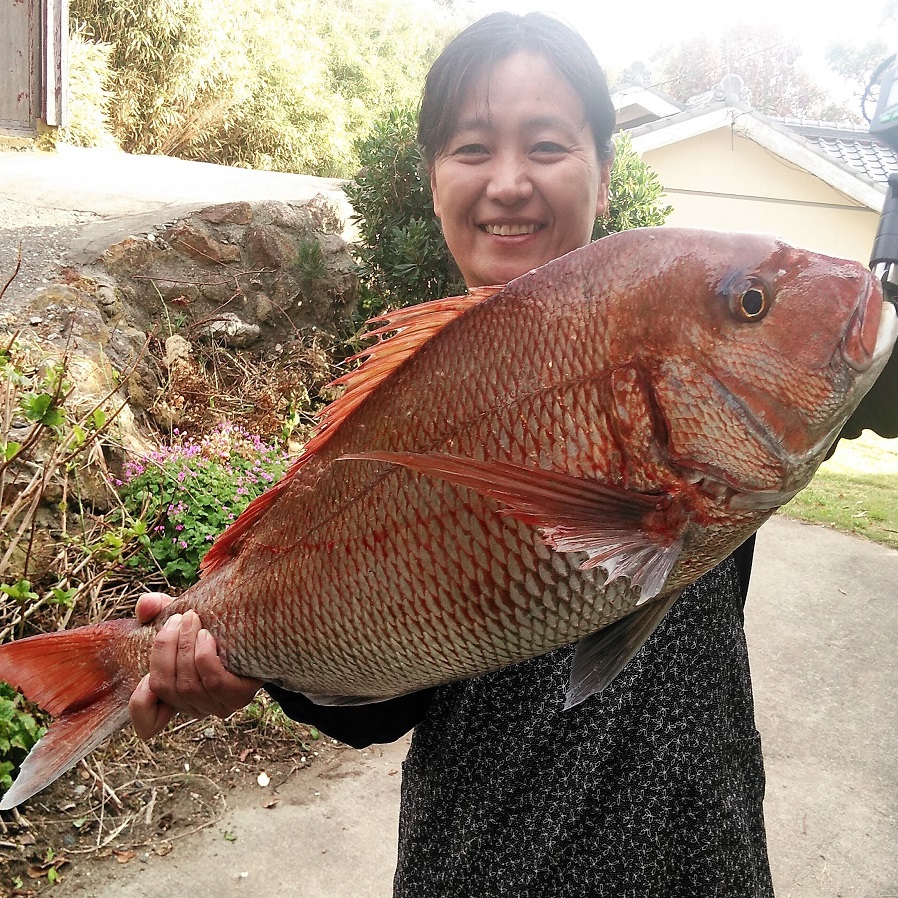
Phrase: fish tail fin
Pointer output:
(76, 677)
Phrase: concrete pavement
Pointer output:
(822, 621)
(116, 184)
(131, 194)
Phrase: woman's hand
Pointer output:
(186, 674)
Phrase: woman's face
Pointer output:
(520, 182)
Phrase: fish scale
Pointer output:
(526, 467)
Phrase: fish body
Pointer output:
(520, 469)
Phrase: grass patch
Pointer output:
(855, 491)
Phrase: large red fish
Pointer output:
(511, 472)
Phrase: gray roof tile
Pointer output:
(852, 146)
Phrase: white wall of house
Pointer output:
(725, 181)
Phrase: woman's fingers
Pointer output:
(187, 678)
(227, 691)
(186, 675)
(148, 715)
(149, 605)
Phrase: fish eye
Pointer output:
(751, 301)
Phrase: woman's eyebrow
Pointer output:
(554, 122)
(472, 124)
(537, 123)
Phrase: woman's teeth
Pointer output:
(511, 230)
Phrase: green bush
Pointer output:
(190, 491)
(401, 254)
(402, 257)
(90, 77)
(19, 730)
(634, 195)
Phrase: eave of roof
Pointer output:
(773, 136)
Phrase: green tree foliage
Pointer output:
(170, 62)
(401, 253)
(288, 85)
(89, 96)
(769, 64)
(635, 194)
(855, 64)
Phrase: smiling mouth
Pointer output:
(511, 230)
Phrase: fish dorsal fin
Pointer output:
(411, 328)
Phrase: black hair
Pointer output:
(491, 39)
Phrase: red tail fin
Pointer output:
(74, 676)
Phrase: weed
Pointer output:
(19, 730)
(309, 266)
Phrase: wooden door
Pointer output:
(33, 64)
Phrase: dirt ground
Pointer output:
(131, 800)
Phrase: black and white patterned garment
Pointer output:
(654, 788)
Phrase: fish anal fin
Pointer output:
(73, 675)
(344, 701)
(601, 657)
(411, 328)
(619, 530)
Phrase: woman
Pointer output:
(655, 787)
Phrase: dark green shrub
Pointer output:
(402, 256)
(634, 195)
(401, 253)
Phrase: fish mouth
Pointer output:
(871, 330)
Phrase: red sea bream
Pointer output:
(509, 472)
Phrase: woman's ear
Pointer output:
(602, 198)
(434, 192)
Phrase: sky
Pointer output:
(623, 32)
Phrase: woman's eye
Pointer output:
(471, 149)
(548, 148)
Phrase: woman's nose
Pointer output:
(509, 182)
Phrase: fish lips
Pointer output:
(871, 332)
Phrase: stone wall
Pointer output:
(270, 285)
(233, 312)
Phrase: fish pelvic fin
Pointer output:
(411, 328)
(71, 676)
(601, 657)
(622, 531)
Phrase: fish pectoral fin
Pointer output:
(619, 530)
(601, 657)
